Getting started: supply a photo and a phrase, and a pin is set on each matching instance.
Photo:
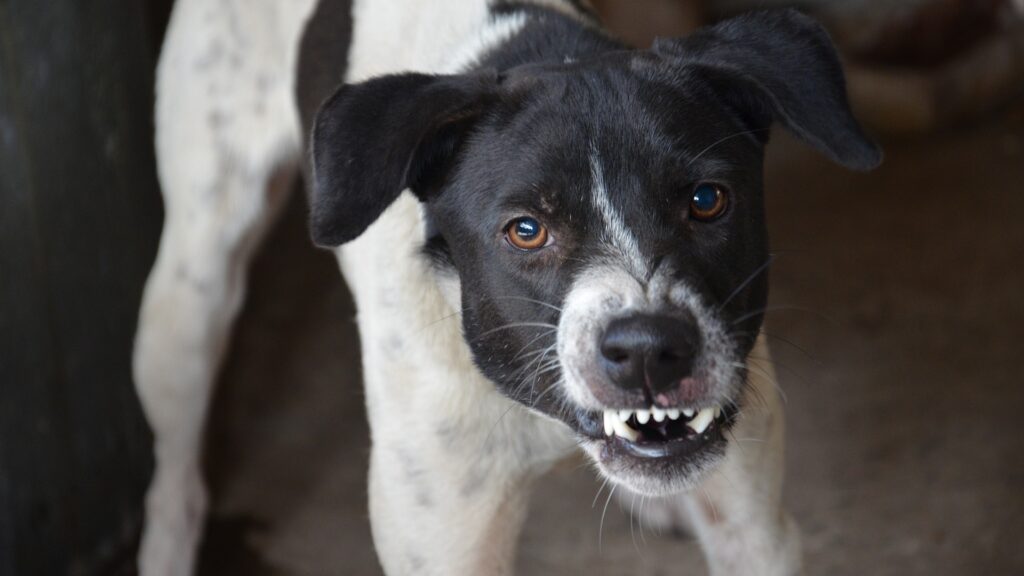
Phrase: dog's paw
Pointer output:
(664, 515)
(175, 512)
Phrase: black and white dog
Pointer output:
(553, 242)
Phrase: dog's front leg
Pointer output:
(450, 479)
(737, 511)
(428, 520)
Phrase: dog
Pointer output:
(554, 243)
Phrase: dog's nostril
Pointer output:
(668, 357)
(615, 354)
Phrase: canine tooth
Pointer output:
(625, 414)
(609, 426)
(688, 412)
(701, 421)
(625, 431)
(672, 413)
(718, 412)
(643, 416)
(658, 414)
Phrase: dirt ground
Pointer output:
(898, 333)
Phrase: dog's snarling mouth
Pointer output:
(657, 433)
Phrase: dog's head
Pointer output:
(603, 218)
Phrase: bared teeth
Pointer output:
(617, 422)
(702, 420)
(643, 416)
(626, 431)
(658, 414)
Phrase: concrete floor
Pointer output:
(899, 341)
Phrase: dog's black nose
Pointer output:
(656, 351)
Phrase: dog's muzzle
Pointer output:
(649, 361)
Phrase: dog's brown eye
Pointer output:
(526, 234)
(708, 201)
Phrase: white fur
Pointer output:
(452, 460)
(596, 296)
(499, 30)
(565, 8)
(620, 237)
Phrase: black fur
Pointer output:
(375, 139)
(323, 58)
(779, 65)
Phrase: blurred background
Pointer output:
(897, 319)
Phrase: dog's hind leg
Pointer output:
(227, 143)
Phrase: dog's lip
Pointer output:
(589, 424)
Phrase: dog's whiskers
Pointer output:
(523, 298)
(538, 372)
(551, 388)
(487, 439)
(599, 490)
(633, 535)
(511, 325)
(759, 371)
(782, 308)
(711, 503)
(746, 282)
(528, 344)
(432, 323)
(725, 139)
(640, 519)
(794, 345)
(600, 529)
(733, 436)
(774, 364)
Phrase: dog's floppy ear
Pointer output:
(372, 140)
(779, 65)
